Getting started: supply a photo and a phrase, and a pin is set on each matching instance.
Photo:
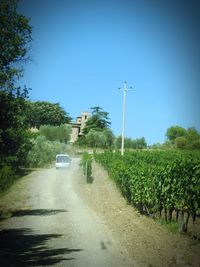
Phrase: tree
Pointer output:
(195, 144)
(178, 137)
(43, 151)
(94, 138)
(193, 138)
(100, 139)
(97, 132)
(109, 138)
(138, 143)
(98, 121)
(14, 137)
(118, 142)
(156, 146)
(56, 133)
(127, 142)
(46, 113)
(192, 134)
(141, 143)
(180, 142)
(15, 35)
(175, 131)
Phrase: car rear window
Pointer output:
(64, 159)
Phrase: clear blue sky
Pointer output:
(82, 51)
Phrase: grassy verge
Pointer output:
(86, 164)
(172, 226)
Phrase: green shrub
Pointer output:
(56, 133)
(86, 164)
(7, 176)
(43, 152)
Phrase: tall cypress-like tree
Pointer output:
(98, 121)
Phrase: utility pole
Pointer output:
(123, 115)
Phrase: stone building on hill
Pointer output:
(78, 126)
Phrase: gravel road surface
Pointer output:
(48, 224)
(54, 218)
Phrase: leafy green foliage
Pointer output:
(98, 121)
(14, 136)
(180, 142)
(192, 134)
(101, 139)
(138, 143)
(97, 132)
(193, 138)
(178, 137)
(56, 133)
(15, 35)
(46, 113)
(97, 139)
(86, 164)
(175, 131)
(43, 152)
(157, 181)
(7, 176)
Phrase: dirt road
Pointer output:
(50, 224)
(54, 218)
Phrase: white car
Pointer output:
(62, 161)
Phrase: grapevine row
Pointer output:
(163, 183)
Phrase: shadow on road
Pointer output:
(6, 214)
(22, 247)
(36, 212)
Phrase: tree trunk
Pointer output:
(177, 215)
(184, 222)
(170, 215)
(193, 217)
(160, 213)
(165, 214)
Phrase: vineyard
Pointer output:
(163, 184)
